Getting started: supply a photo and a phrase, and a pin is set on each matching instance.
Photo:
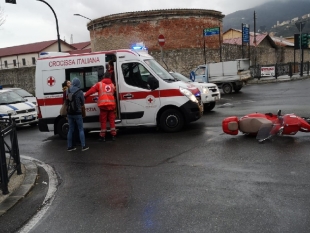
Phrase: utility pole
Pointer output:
(254, 38)
(57, 28)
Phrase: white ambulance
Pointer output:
(147, 95)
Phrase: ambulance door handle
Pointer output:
(128, 96)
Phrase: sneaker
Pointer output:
(71, 148)
(85, 148)
(101, 139)
(113, 138)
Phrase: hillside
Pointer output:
(268, 14)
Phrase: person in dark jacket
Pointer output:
(76, 116)
(76, 138)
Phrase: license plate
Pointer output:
(216, 98)
(28, 117)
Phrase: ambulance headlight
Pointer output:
(188, 94)
(11, 112)
(205, 90)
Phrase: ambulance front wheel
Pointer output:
(171, 120)
(63, 128)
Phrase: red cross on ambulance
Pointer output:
(51, 81)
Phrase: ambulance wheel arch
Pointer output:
(61, 127)
(170, 119)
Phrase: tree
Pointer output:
(2, 16)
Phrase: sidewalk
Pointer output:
(19, 185)
(283, 78)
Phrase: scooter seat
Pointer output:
(253, 124)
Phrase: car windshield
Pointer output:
(159, 70)
(181, 77)
(22, 92)
(10, 97)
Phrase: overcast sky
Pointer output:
(31, 21)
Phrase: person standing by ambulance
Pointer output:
(106, 104)
(76, 116)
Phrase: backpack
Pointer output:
(72, 106)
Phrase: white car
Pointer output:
(22, 111)
(210, 93)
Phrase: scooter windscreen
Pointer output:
(266, 131)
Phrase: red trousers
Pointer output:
(103, 117)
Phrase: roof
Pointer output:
(29, 48)
(81, 45)
(282, 41)
(275, 41)
(79, 51)
(238, 41)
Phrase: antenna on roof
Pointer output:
(71, 39)
(64, 39)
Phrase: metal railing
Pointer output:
(9, 153)
(282, 69)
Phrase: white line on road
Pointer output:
(52, 188)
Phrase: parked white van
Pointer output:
(147, 95)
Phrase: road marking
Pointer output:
(50, 196)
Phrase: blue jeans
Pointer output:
(79, 121)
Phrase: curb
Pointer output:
(275, 80)
(31, 171)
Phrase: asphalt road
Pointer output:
(197, 180)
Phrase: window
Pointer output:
(201, 71)
(24, 61)
(135, 74)
(88, 76)
(6, 64)
(14, 63)
(33, 60)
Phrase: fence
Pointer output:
(10, 164)
(282, 69)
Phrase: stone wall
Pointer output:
(19, 77)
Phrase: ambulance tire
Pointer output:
(171, 120)
(62, 128)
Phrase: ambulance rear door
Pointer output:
(52, 92)
(88, 76)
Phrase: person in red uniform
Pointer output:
(106, 104)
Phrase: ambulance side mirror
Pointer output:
(152, 82)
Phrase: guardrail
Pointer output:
(281, 69)
(9, 152)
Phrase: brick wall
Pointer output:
(182, 28)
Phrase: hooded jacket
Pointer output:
(75, 85)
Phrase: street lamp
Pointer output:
(58, 37)
(91, 22)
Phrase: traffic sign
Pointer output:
(211, 31)
(161, 40)
(300, 25)
(245, 33)
(192, 76)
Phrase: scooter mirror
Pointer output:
(279, 112)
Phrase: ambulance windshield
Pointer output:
(159, 70)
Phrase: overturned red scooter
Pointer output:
(266, 125)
